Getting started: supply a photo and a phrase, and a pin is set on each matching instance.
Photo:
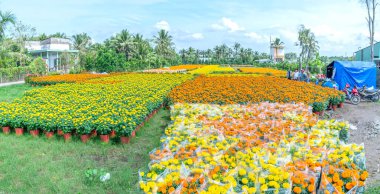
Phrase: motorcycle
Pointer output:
(369, 94)
(352, 95)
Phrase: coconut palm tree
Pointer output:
(183, 54)
(309, 46)
(6, 18)
(141, 47)
(236, 47)
(277, 43)
(81, 41)
(58, 35)
(164, 45)
(123, 43)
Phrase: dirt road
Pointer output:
(365, 128)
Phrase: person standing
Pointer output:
(308, 76)
(296, 75)
(289, 74)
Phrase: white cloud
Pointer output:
(197, 36)
(227, 24)
(217, 27)
(188, 36)
(162, 25)
(257, 37)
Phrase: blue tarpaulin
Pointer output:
(355, 73)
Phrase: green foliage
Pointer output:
(38, 66)
(344, 135)
(319, 106)
(335, 100)
(93, 175)
(107, 60)
(62, 166)
(13, 73)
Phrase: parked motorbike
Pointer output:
(369, 94)
(352, 95)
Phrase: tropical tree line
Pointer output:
(221, 54)
(127, 51)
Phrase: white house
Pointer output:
(51, 50)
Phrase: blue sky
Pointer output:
(339, 25)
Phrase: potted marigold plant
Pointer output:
(319, 107)
(104, 131)
(18, 124)
(33, 126)
(85, 131)
(335, 100)
(5, 123)
(342, 100)
(67, 127)
(125, 134)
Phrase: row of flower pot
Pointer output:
(84, 137)
(331, 107)
(67, 136)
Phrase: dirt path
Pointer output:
(365, 121)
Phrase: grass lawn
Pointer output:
(39, 165)
(373, 189)
(8, 93)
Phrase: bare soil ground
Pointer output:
(365, 128)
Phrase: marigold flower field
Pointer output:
(118, 103)
(263, 71)
(244, 89)
(254, 148)
(231, 132)
(67, 78)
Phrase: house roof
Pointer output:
(367, 47)
(52, 50)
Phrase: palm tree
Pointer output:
(5, 19)
(309, 46)
(183, 53)
(141, 47)
(277, 43)
(209, 55)
(59, 35)
(237, 47)
(164, 45)
(42, 37)
(123, 43)
(81, 41)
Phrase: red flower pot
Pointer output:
(85, 137)
(334, 107)
(125, 140)
(340, 105)
(19, 131)
(113, 134)
(6, 130)
(34, 133)
(317, 113)
(49, 134)
(67, 136)
(322, 113)
(133, 133)
(94, 133)
(105, 138)
(60, 132)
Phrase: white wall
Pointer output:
(33, 45)
(60, 47)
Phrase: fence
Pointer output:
(13, 74)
